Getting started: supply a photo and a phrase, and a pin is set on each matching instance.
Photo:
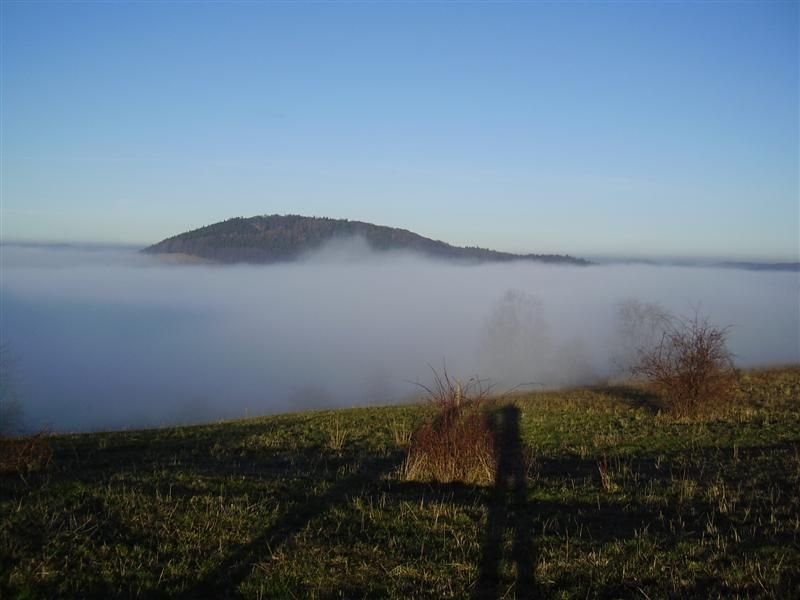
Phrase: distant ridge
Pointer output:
(704, 263)
(280, 238)
(757, 266)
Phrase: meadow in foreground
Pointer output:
(597, 494)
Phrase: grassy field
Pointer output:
(597, 495)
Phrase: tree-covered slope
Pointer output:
(275, 238)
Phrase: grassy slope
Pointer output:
(284, 507)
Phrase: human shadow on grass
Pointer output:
(508, 509)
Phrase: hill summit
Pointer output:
(280, 238)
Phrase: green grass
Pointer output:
(598, 495)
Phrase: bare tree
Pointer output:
(640, 326)
(516, 345)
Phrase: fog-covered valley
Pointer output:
(110, 338)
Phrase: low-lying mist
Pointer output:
(115, 339)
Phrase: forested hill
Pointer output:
(276, 238)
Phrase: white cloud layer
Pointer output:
(107, 338)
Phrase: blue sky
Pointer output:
(625, 128)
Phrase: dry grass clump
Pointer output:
(690, 367)
(337, 436)
(458, 443)
(606, 475)
(401, 433)
(24, 455)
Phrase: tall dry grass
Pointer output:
(457, 444)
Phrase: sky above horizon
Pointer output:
(637, 129)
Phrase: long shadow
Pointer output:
(225, 578)
(635, 397)
(507, 508)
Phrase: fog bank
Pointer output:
(116, 339)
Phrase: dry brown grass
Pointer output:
(458, 443)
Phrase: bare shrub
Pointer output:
(457, 444)
(21, 455)
(691, 367)
(26, 454)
